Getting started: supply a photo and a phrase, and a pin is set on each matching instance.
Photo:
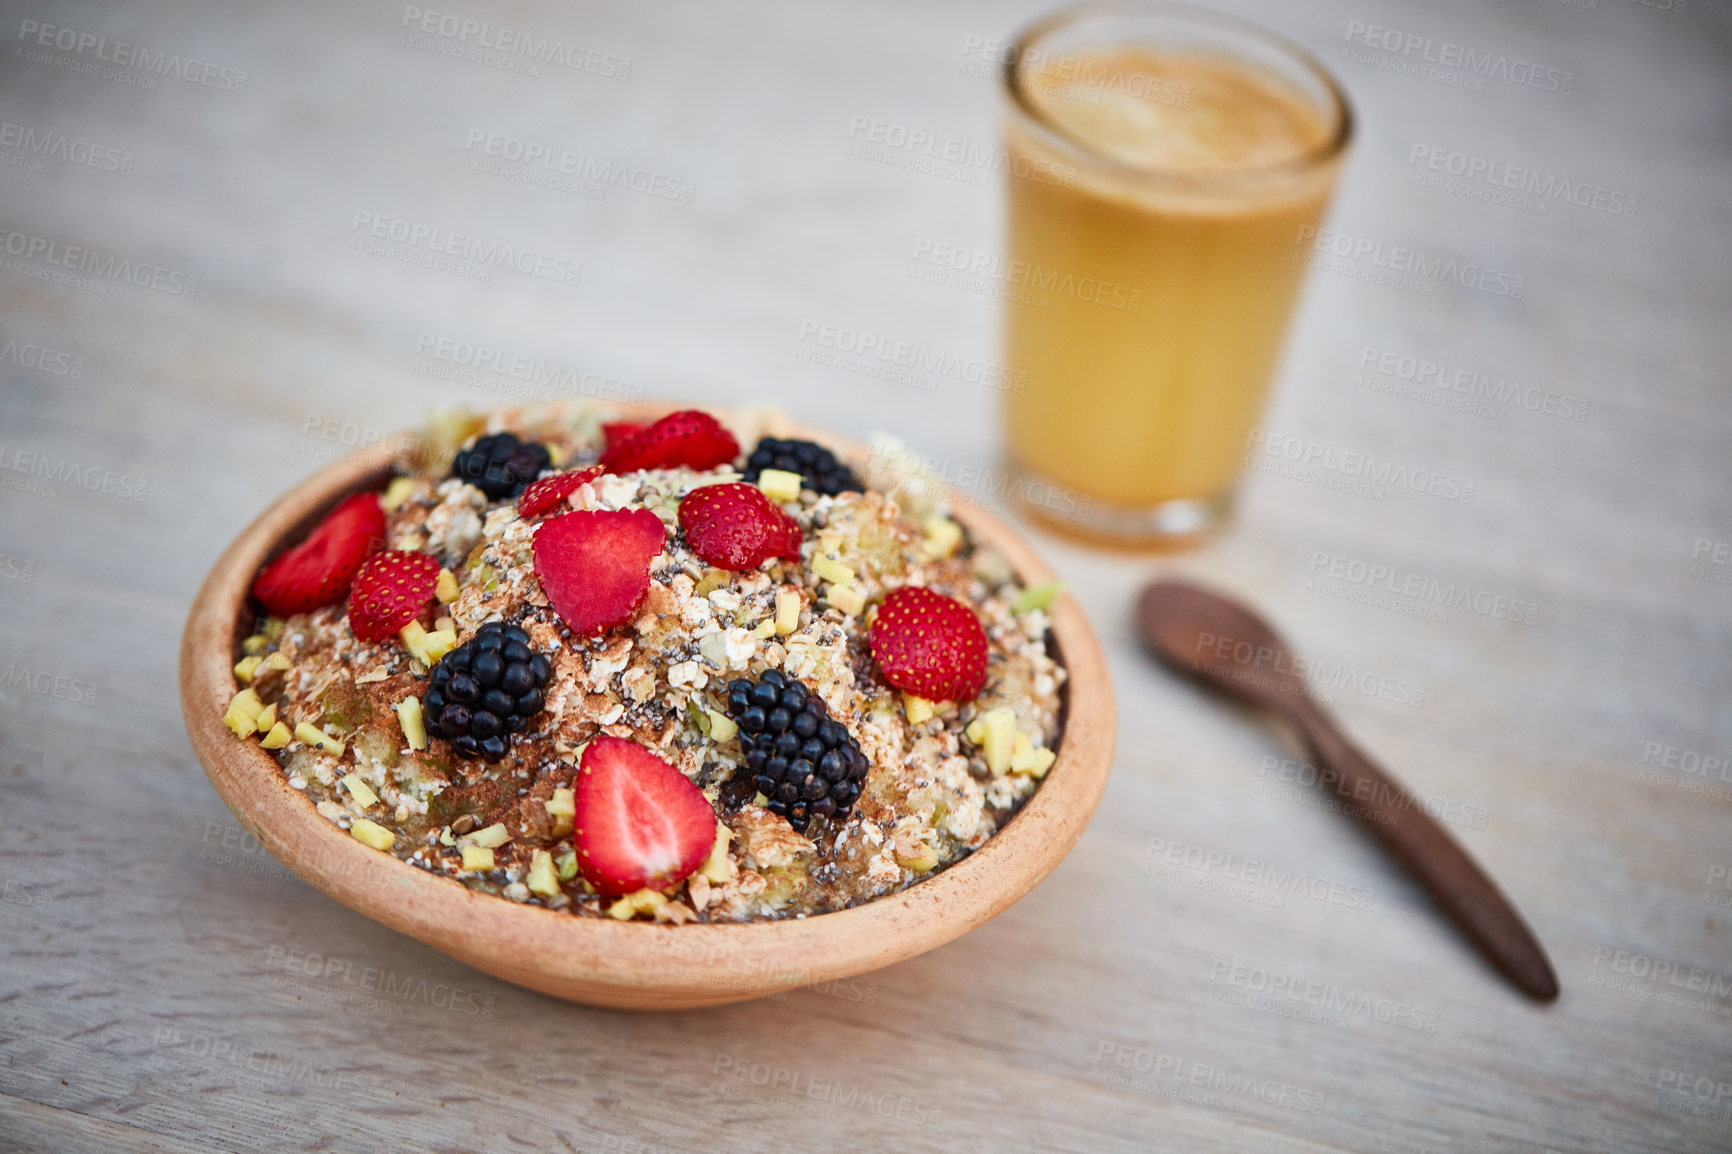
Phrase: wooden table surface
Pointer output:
(1223, 963)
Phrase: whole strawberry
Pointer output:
(930, 645)
(318, 571)
(690, 437)
(734, 526)
(390, 590)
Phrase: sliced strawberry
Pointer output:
(639, 821)
(930, 645)
(734, 526)
(544, 496)
(594, 564)
(689, 437)
(390, 590)
(613, 432)
(318, 571)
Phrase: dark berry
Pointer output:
(803, 762)
(485, 690)
(501, 465)
(818, 467)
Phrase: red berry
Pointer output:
(390, 591)
(318, 571)
(613, 432)
(544, 496)
(930, 645)
(689, 437)
(639, 821)
(594, 564)
(734, 526)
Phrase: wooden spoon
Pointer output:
(1224, 644)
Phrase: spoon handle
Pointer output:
(1455, 882)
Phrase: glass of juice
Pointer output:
(1164, 164)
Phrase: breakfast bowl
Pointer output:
(623, 961)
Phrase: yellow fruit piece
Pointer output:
(787, 611)
(371, 833)
(267, 719)
(917, 709)
(994, 732)
(273, 628)
(641, 902)
(278, 661)
(562, 808)
(567, 863)
(713, 580)
(717, 868)
(765, 628)
(779, 485)
(247, 702)
(319, 738)
(246, 667)
(255, 645)
(360, 791)
(477, 857)
(446, 587)
(832, 571)
(278, 737)
(494, 835)
(542, 880)
(942, 537)
(399, 490)
(847, 598)
(414, 725)
(722, 727)
(437, 644)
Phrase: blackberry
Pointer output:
(800, 758)
(485, 690)
(823, 473)
(501, 465)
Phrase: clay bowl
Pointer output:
(630, 965)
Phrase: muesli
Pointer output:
(635, 671)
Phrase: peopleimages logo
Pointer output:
(82, 259)
(522, 48)
(125, 54)
(1469, 384)
(39, 146)
(1390, 586)
(1482, 178)
(1394, 263)
(432, 247)
(1449, 58)
(1351, 471)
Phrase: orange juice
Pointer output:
(1157, 271)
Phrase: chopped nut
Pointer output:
(722, 727)
(698, 889)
